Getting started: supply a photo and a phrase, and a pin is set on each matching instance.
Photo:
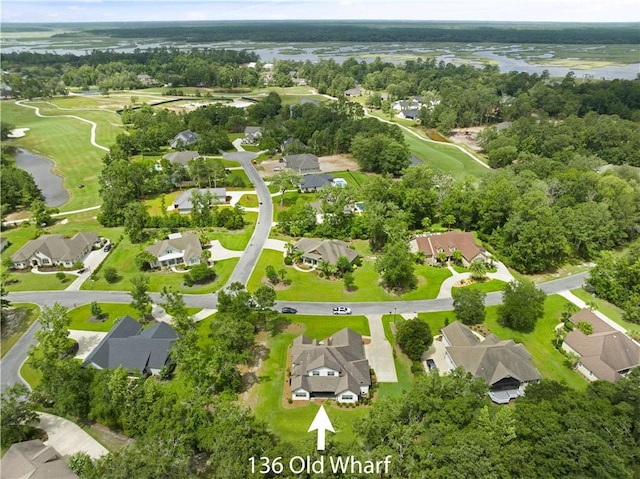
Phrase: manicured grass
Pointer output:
(488, 286)
(230, 163)
(249, 201)
(32, 376)
(290, 199)
(436, 320)
(28, 281)
(120, 258)
(606, 308)
(237, 239)
(66, 141)
(112, 312)
(27, 313)
(321, 327)
(290, 423)
(355, 178)
(401, 361)
(306, 285)
(154, 205)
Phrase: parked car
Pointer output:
(107, 247)
(277, 168)
(431, 364)
(341, 310)
(289, 310)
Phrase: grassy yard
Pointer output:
(548, 360)
(606, 308)
(355, 178)
(402, 363)
(249, 201)
(112, 312)
(308, 286)
(18, 320)
(291, 422)
(27, 281)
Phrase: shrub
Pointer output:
(199, 274)
(288, 260)
(61, 276)
(110, 274)
(414, 337)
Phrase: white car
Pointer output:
(341, 310)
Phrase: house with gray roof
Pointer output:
(252, 134)
(316, 250)
(311, 183)
(54, 250)
(410, 114)
(335, 368)
(183, 205)
(34, 460)
(182, 157)
(503, 364)
(129, 346)
(183, 139)
(305, 163)
(178, 248)
(606, 353)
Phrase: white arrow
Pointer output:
(322, 424)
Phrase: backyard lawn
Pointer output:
(112, 312)
(305, 286)
(606, 308)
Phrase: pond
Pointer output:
(49, 183)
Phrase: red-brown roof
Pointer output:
(448, 242)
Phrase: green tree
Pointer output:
(200, 274)
(285, 180)
(143, 260)
(110, 274)
(396, 266)
(136, 219)
(18, 416)
(175, 306)
(96, 310)
(478, 270)
(522, 306)
(414, 337)
(349, 281)
(469, 305)
(140, 299)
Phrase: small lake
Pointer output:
(40, 168)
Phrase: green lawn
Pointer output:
(27, 281)
(112, 311)
(321, 327)
(120, 258)
(305, 286)
(23, 315)
(402, 363)
(606, 308)
(66, 141)
(32, 376)
(249, 201)
(291, 423)
(355, 178)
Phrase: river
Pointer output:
(41, 169)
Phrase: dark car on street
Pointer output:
(289, 310)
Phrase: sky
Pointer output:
(35, 11)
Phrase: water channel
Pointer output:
(41, 169)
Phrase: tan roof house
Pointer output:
(178, 248)
(465, 242)
(606, 354)
(183, 205)
(503, 364)
(316, 250)
(34, 460)
(53, 250)
(335, 368)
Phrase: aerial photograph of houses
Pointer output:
(319, 239)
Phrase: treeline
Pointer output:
(359, 32)
(19, 189)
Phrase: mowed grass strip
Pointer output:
(308, 286)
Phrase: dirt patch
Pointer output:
(467, 136)
(338, 163)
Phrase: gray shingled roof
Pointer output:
(183, 202)
(133, 348)
(34, 460)
(182, 157)
(57, 247)
(304, 162)
(184, 138)
(326, 250)
(343, 352)
(189, 243)
(491, 359)
(315, 181)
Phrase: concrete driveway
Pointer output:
(68, 438)
(87, 341)
(379, 352)
(91, 262)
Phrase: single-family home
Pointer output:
(305, 163)
(606, 353)
(182, 157)
(54, 250)
(4, 244)
(133, 348)
(146, 80)
(353, 92)
(335, 368)
(252, 134)
(316, 250)
(183, 205)
(178, 248)
(311, 183)
(410, 114)
(34, 460)
(183, 139)
(503, 364)
(434, 244)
